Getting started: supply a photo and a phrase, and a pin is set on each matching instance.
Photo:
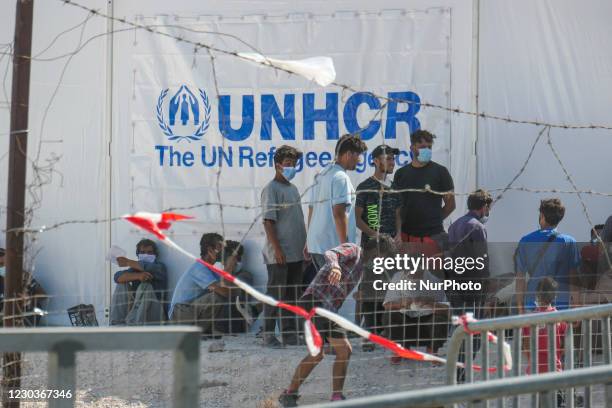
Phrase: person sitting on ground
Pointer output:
(242, 310)
(201, 297)
(419, 317)
(140, 293)
(341, 272)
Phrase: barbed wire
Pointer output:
(266, 63)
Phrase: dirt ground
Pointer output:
(243, 375)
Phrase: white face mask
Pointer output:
(238, 267)
(147, 258)
(2, 271)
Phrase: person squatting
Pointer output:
(407, 274)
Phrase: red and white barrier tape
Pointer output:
(155, 223)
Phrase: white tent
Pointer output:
(100, 117)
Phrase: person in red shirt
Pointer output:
(589, 259)
(545, 297)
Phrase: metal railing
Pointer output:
(62, 344)
(451, 394)
(541, 386)
(499, 326)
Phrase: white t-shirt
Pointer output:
(331, 187)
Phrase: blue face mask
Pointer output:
(2, 271)
(425, 154)
(289, 173)
(147, 258)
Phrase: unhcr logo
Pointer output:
(183, 118)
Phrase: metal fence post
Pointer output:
(61, 373)
(186, 388)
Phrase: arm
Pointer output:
(449, 205)
(125, 262)
(520, 292)
(157, 270)
(575, 293)
(127, 276)
(361, 224)
(270, 229)
(398, 223)
(341, 222)
(220, 289)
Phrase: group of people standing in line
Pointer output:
(402, 215)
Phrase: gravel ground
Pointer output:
(243, 375)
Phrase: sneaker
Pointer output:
(288, 399)
(367, 346)
(395, 360)
(337, 396)
(272, 342)
(244, 311)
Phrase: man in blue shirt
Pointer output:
(546, 252)
(200, 297)
(331, 207)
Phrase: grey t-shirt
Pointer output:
(281, 203)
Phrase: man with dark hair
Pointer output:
(240, 307)
(340, 273)
(283, 253)
(546, 253)
(331, 214)
(467, 238)
(200, 296)
(376, 212)
(422, 213)
(140, 294)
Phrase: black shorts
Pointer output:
(326, 328)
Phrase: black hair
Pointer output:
(146, 242)
(233, 248)
(383, 246)
(547, 290)
(209, 241)
(287, 152)
(350, 143)
(420, 136)
(553, 211)
(479, 199)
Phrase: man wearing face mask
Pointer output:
(200, 296)
(283, 221)
(422, 213)
(141, 289)
(467, 238)
(376, 212)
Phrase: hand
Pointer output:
(306, 253)
(397, 239)
(122, 261)
(334, 276)
(145, 276)
(279, 256)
